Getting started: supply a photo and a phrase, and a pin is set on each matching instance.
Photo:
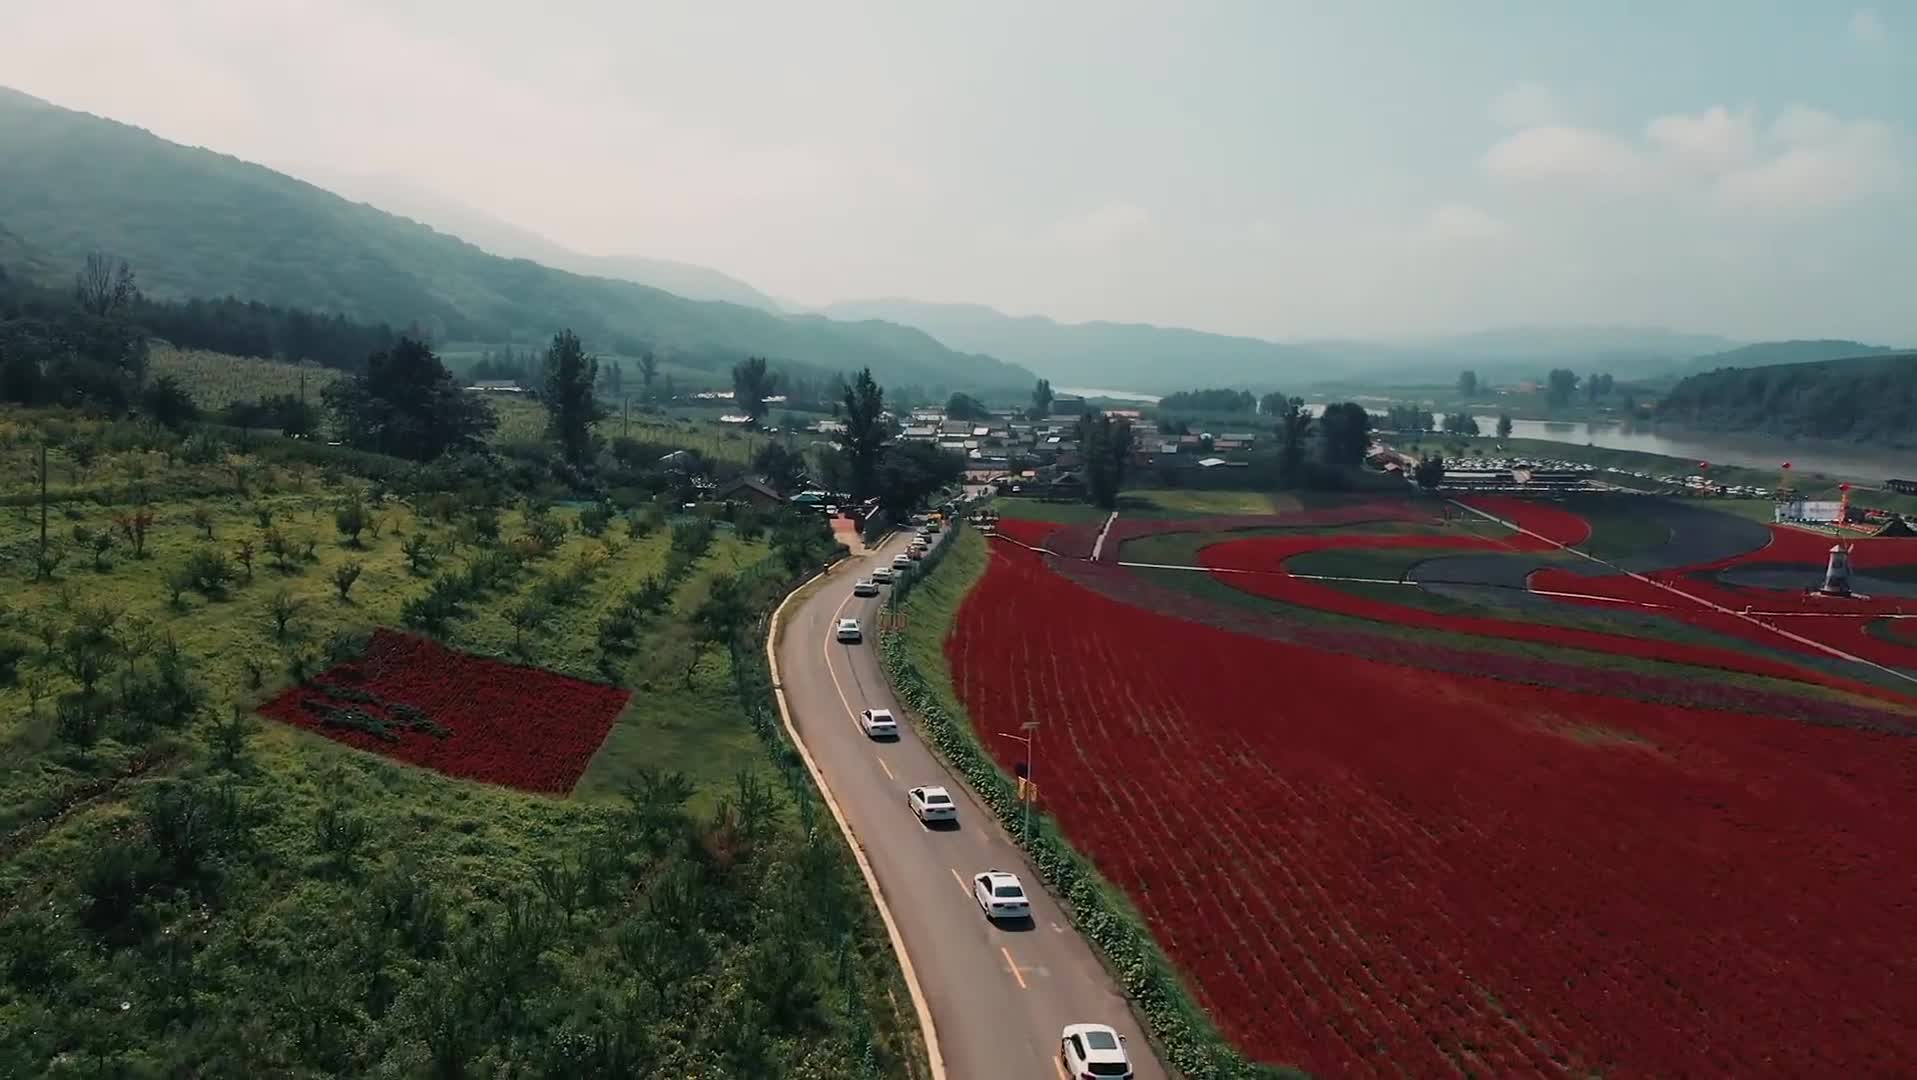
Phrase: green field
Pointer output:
(216, 380)
(185, 891)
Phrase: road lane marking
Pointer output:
(888, 769)
(963, 887)
(1013, 964)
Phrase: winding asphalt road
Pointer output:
(999, 995)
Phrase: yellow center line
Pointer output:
(1010, 963)
(888, 769)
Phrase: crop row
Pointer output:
(1366, 868)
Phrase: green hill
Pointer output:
(1860, 399)
(1768, 353)
(195, 223)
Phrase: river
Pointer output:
(1861, 465)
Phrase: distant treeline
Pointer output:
(1864, 399)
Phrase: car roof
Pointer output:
(1000, 877)
(1114, 1051)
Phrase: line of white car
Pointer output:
(1088, 1051)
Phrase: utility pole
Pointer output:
(1028, 791)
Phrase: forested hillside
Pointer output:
(197, 223)
(1862, 399)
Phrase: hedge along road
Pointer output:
(999, 996)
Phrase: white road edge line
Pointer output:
(935, 1059)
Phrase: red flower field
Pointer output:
(468, 716)
(1367, 868)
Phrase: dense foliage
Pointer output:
(1208, 401)
(405, 403)
(1866, 399)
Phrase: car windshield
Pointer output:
(937, 797)
(1100, 1040)
(1009, 892)
(1109, 1068)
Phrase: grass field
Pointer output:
(319, 910)
(215, 380)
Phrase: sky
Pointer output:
(1291, 170)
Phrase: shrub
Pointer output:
(211, 571)
(344, 575)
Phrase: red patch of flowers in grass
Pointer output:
(1081, 537)
(1364, 868)
(520, 727)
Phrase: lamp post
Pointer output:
(1025, 769)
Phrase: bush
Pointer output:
(210, 570)
(113, 882)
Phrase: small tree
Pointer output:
(178, 580)
(419, 553)
(278, 546)
(134, 525)
(1429, 472)
(203, 520)
(101, 541)
(245, 555)
(344, 575)
(1504, 425)
(281, 607)
(350, 519)
(531, 614)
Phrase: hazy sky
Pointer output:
(1362, 168)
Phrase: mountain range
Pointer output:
(195, 223)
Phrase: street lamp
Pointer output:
(1028, 790)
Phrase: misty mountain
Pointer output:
(397, 195)
(1123, 356)
(1768, 353)
(198, 223)
(1158, 359)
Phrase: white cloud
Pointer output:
(1102, 227)
(1556, 153)
(1710, 142)
(1867, 28)
(1527, 105)
(1807, 159)
(1822, 162)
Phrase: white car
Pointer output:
(1094, 1051)
(865, 587)
(883, 575)
(879, 723)
(932, 804)
(1000, 896)
(849, 631)
(901, 562)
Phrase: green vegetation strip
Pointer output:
(1192, 1043)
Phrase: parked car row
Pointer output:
(1086, 1051)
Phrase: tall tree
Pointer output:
(648, 370)
(1294, 429)
(781, 466)
(1345, 431)
(752, 383)
(105, 285)
(1504, 425)
(1559, 386)
(1106, 445)
(567, 394)
(407, 404)
(1467, 383)
(1429, 472)
(1042, 399)
(615, 376)
(1273, 403)
(865, 433)
(910, 471)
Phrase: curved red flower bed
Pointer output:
(520, 727)
(1554, 523)
(1364, 868)
(1265, 556)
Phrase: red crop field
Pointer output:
(467, 716)
(1365, 867)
